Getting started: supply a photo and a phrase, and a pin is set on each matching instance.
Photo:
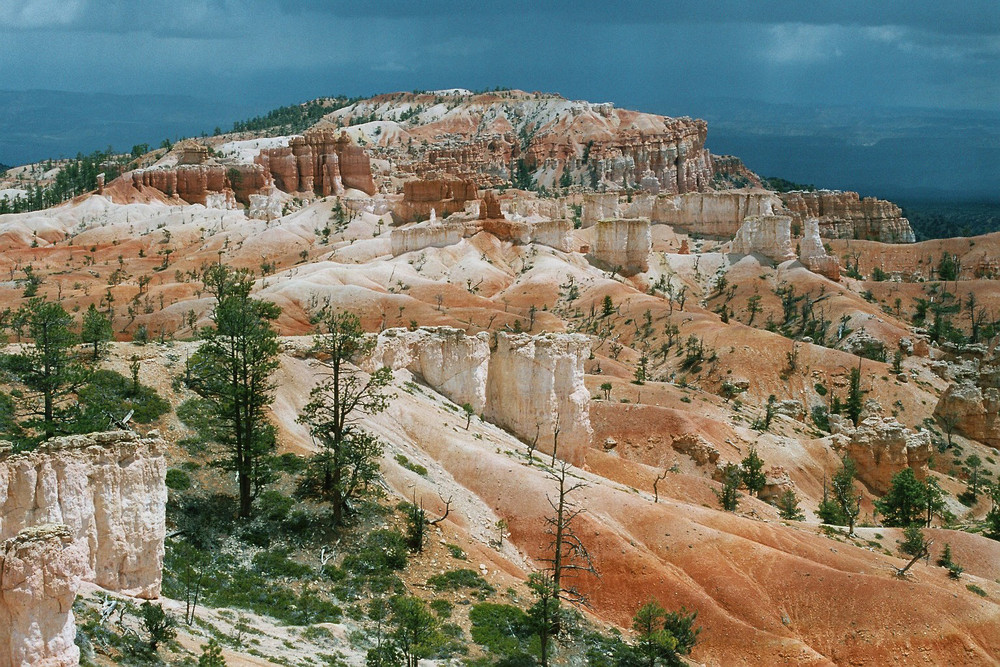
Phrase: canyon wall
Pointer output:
(599, 206)
(717, 214)
(448, 360)
(767, 235)
(844, 215)
(553, 233)
(972, 401)
(535, 389)
(196, 183)
(426, 235)
(443, 196)
(623, 244)
(40, 570)
(109, 489)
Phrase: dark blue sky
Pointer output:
(936, 54)
(676, 58)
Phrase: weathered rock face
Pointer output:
(769, 235)
(448, 360)
(489, 209)
(109, 489)
(40, 570)
(697, 447)
(426, 235)
(264, 207)
(190, 151)
(195, 183)
(535, 387)
(321, 161)
(881, 447)
(443, 196)
(524, 206)
(598, 206)
(776, 482)
(718, 214)
(813, 255)
(624, 243)
(554, 233)
(844, 215)
(974, 410)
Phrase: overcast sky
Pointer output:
(653, 55)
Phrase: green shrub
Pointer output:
(442, 608)
(276, 563)
(976, 589)
(178, 480)
(409, 465)
(457, 579)
(502, 628)
(380, 552)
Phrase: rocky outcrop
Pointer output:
(535, 390)
(321, 162)
(195, 183)
(715, 214)
(190, 151)
(844, 215)
(489, 209)
(265, 207)
(623, 245)
(776, 483)
(40, 570)
(882, 447)
(813, 254)
(109, 489)
(426, 235)
(768, 235)
(697, 447)
(553, 233)
(449, 361)
(444, 197)
(971, 410)
(598, 206)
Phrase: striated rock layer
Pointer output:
(553, 233)
(40, 570)
(426, 235)
(444, 197)
(196, 183)
(623, 244)
(717, 214)
(769, 235)
(109, 489)
(448, 360)
(321, 161)
(844, 215)
(535, 390)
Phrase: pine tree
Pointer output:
(904, 503)
(729, 496)
(752, 472)
(855, 397)
(844, 494)
(96, 330)
(788, 506)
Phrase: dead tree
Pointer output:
(656, 482)
(568, 554)
(923, 553)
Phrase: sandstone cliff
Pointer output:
(535, 390)
(553, 233)
(623, 244)
(443, 196)
(769, 235)
(40, 570)
(844, 215)
(109, 489)
(196, 183)
(972, 401)
(813, 254)
(451, 362)
(426, 235)
(717, 214)
(321, 161)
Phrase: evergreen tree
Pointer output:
(855, 397)
(211, 655)
(653, 642)
(233, 370)
(96, 330)
(752, 472)
(48, 368)
(349, 461)
(729, 496)
(847, 499)
(904, 503)
(829, 511)
(992, 528)
(788, 506)
(415, 631)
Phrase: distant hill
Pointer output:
(41, 124)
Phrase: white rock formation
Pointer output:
(40, 570)
(109, 489)
(769, 235)
(535, 387)
(624, 243)
(424, 235)
(265, 207)
(598, 206)
(448, 360)
(706, 213)
(553, 233)
(813, 254)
